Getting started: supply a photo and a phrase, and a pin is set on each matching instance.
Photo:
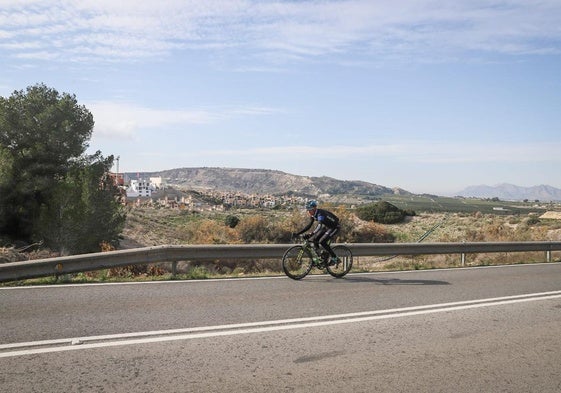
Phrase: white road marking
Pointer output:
(80, 343)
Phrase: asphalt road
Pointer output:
(494, 329)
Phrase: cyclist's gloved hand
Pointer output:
(307, 236)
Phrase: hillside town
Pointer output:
(155, 192)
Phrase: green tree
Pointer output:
(43, 139)
(41, 132)
(382, 212)
(83, 211)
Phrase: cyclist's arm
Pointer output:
(319, 227)
(306, 228)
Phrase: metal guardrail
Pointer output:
(103, 260)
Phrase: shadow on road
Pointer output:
(393, 281)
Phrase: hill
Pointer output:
(511, 192)
(263, 181)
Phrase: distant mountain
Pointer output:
(511, 192)
(263, 181)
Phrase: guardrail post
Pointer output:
(174, 268)
(548, 256)
(463, 259)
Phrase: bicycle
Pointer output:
(299, 260)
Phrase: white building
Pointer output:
(140, 188)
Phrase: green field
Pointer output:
(437, 204)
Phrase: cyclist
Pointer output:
(327, 228)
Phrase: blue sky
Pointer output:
(427, 95)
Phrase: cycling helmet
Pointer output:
(310, 205)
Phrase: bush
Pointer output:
(253, 229)
(370, 232)
(232, 221)
(207, 231)
(532, 220)
(382, 212)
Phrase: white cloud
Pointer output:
(122, 30)
(413, 151)
(119, 120)
(123, 120)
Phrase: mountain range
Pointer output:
(510, 192)
(265, 181)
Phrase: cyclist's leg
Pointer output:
(317, 237)
(326, 239)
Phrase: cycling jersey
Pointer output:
(327, 228)
(326, 218)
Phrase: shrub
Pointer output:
(232, 221)
(382, 212)
(532, 220)
(253, 229)
(370, 232)
(207, 231)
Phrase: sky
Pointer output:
(430, 96)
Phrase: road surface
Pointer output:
(492, 329)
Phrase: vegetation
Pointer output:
(149, 226)
(50, 190)
(268, 226)
(232, 221)
(438, 204)
(382, 212)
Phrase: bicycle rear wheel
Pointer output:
(345, 261)
(297, 262)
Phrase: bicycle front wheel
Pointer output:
(344, 264)
(297, 262)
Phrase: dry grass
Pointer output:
(458, 227)
(149, 227)
(166, 227)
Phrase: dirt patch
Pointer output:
(11, 254)
(552, 215)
